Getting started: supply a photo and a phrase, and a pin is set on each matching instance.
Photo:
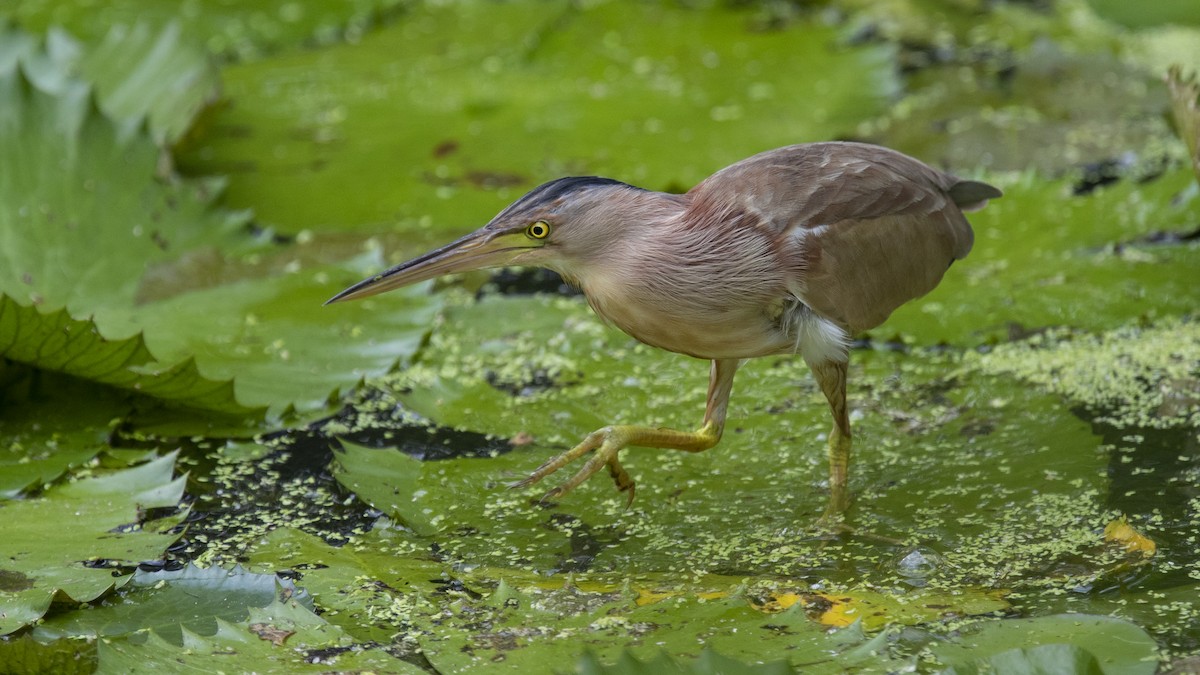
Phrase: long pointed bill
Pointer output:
(480, 249)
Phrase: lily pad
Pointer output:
(407, 126)
(284, 637)
(160, 76)
(708, 663)
(1065, 643)
(103, 277)
(230, 30)
(394, 486)
(935, 451)
(168, 602)
(370, 587)
(381, 583)
(159, 79)
(62, 426)
(1165, 11)
(26, 655)
(94, 519)
(1134, 376)
(54, 341)
(1044, 257)
(1044, 108)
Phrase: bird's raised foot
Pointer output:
(606, 443)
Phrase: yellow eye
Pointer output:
(538, 230)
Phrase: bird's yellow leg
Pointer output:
(831, 376)
(606, 443)
(839, 471)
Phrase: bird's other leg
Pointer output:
(606, 443)
(831, 376)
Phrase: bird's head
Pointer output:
(561, 225)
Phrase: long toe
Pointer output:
(604, 454)
(593, 441)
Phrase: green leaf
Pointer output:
(1040, 660)
(63, 425)
(393, 485)
(101, 518)
(1074, 643)
(1061, 108)
(1161, 12)
(750, 503)
(1044, 257)
(142, 77)
(1135, 376)
(370, 587)
(55, 341)
(160, 76)
(168, 602)
(230, 30)
(529, 92)
(618, 630)
(282, 637)
(708, 663)
(75, 241)
(110, 275)
(275, 341)
(26, 656)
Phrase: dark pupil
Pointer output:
(539, 230)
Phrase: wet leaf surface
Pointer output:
(169, 601)
(1053, 644)
(96, 521)
(82, 238)
(416, 111)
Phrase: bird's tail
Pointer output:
(972, 195)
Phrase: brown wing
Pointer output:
(861, 228)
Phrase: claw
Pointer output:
(621, 478)
(593, 441)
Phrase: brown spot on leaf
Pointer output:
(494, 179)
(445, 148)
(276, 636)
(12, 582)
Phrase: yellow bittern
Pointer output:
(794, 250)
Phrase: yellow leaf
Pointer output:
(876, 610)
(1122, 532)
(645, 596)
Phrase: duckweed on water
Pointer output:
(1136, 376)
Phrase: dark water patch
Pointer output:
(243, 500)
(527, 281)
(1108, 171)
(1161, 238)
(242, 497)
(535, 382)
(1153, 474)
(378, 421)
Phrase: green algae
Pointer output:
(1135, 376)
(940, 460)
